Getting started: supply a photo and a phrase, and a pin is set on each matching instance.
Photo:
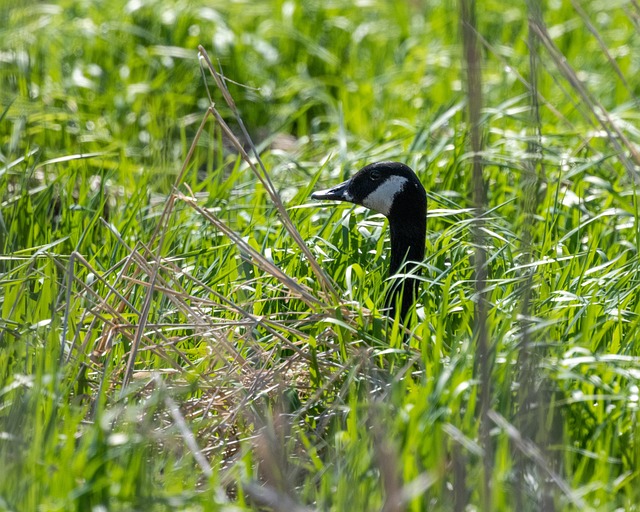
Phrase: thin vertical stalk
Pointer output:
(527, 363)
(473, 62)
(534, 395)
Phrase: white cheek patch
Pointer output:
(381, 199)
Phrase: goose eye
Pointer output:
(374, 176)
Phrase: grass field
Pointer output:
(184, 329)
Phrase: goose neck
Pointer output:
(407, 244)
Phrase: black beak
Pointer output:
(337, 193)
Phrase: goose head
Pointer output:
(394, 190)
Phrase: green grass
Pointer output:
(252, 385)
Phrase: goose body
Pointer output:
(394, 190)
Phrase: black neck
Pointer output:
(407, 251)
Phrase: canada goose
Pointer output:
(394, 190)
